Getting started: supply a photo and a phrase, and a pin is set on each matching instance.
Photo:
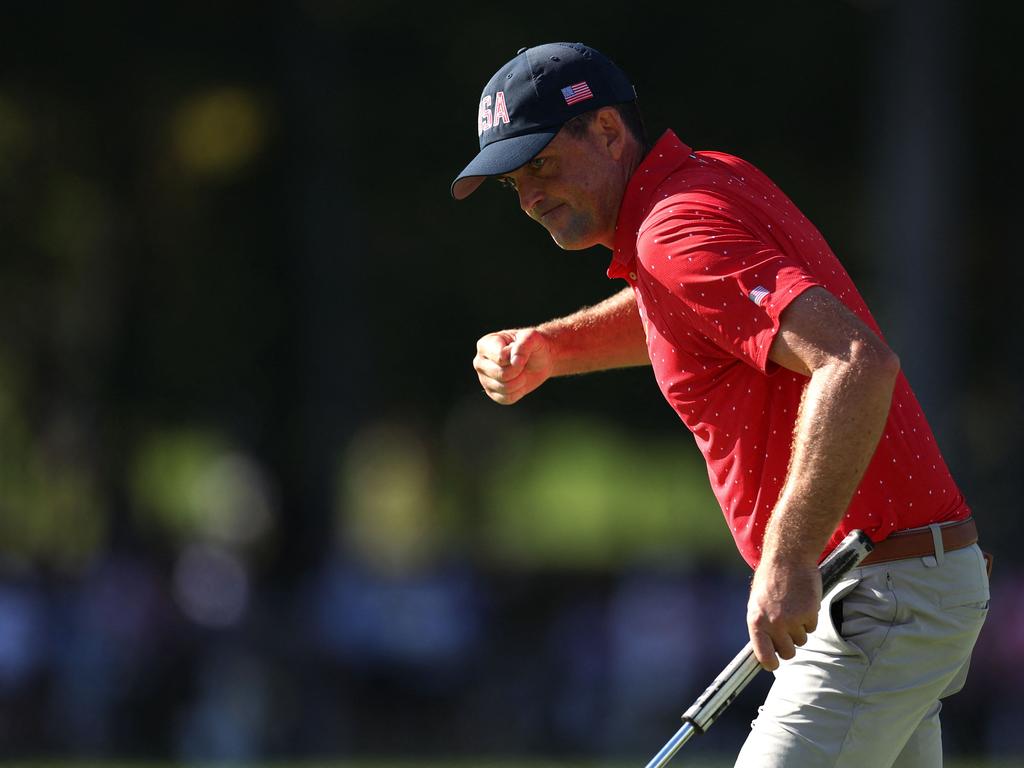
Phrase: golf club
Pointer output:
(744, 667)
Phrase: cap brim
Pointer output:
(500, 157)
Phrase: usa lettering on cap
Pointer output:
(486, 119)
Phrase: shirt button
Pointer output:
(632, 275)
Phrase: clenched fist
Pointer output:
(511, 364)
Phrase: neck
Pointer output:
(631, 158)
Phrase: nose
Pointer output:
(530, 195)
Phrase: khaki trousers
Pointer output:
(865, 694)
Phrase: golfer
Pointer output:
(763, 346)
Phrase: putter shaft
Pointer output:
(744, 666)
(672, 746)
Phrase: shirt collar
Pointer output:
(667, 155)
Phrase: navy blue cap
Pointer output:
(528, 100)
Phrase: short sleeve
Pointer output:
(728, 284)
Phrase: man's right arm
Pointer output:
(511, 364)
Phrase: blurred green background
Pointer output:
(253, 504)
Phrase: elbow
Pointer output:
(892, 363)
(888, 364)
(875, 359)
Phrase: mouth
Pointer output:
(549, 211)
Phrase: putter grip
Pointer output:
(744, 666)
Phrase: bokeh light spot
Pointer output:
(218, 132)
(211, 585)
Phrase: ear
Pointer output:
(610, 131)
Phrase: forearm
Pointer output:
(841, 419)
(606, 335)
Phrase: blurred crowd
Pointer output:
(196, 660)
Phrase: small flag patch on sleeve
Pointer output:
(576, 93)
(759, 295)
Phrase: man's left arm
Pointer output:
(842, 415)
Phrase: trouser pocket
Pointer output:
(828, 637)
(864, 615)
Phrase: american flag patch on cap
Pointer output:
(578, 92)
(758, 295)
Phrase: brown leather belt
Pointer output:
(919, 542)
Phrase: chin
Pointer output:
(573, 244)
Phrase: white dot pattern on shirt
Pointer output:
(838, 290)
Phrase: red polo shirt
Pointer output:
(715, 252)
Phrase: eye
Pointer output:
(507, 182)
(537, 163)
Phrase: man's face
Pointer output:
(573, 188)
